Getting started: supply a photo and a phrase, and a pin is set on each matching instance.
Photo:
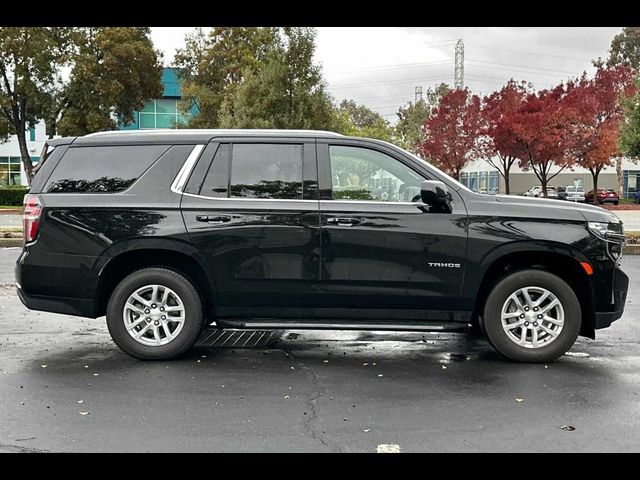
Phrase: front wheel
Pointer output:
(532, 316)
(155, 314)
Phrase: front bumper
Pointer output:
(604, 319)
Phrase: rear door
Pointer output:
(381, 248)
(251, 207)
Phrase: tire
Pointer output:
(155, 343)
(547, 347)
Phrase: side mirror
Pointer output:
(435, 194)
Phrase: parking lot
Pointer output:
(66, 388)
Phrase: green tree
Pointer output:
(630, 131)
(115, 71)
(409, 130)
(30, 61)
(214, 64)
(79, 80)
(625, 48)
(355, 120)
(288, 91)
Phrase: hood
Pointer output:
(559, 209)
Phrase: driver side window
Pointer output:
(362, 174)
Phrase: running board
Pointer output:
(405, 326)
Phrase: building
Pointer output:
(480, 176)
(11, 169)
(161, 112)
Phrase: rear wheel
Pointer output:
(155, 314)
(532, 316)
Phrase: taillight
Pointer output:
(31, 217)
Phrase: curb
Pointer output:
(633, 249)
(10, 242)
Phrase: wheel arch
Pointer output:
(559, 259)
(178, 256)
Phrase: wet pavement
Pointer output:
(65, 387)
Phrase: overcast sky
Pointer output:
(381, 66)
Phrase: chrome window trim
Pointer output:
(245, 199)
(185, 171)
(373, 202)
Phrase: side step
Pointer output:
(403, 326)
(233, 338)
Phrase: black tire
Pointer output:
(526, 278)
(193, 321)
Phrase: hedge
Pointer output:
(12, 196)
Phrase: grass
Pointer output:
(10, 207)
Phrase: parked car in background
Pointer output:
(537, 192)
(605, 195)
(571, 193)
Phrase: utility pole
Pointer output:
(418, 94)
(458, 81)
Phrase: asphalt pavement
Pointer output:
(65, 387)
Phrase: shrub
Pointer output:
(12, 196)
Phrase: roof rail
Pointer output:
(179, 131)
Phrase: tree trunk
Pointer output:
(595, 187)
(620, 179)
(24, 153)
(506, 183)
(51, 128)
(543, 182)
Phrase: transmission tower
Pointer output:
(458, 81)
(418, 95)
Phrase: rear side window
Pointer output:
(251, 170)
(102, 169)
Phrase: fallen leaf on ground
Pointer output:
(384, 448)
(43, 366)
(80, 401)
(568, 428)
(83, 413)
(519, 400)
(367, 430)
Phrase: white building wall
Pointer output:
(10, 148)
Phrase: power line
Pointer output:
(521, 66)
(367, 84)
(530, 53)
(396, 66)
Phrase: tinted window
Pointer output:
(364, 174)
(102, 169)
(266, 171)
(216, 182)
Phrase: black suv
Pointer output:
(173, 234)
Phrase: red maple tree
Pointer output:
(596, 105)
(541, 133)
(452, 135)
(498, 110)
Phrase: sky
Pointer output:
(380, 66)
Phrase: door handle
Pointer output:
(343, 221)
(215, 219)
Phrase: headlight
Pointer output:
(612, 234)
(599, 229)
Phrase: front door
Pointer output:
(381, 248)
(251, 207)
